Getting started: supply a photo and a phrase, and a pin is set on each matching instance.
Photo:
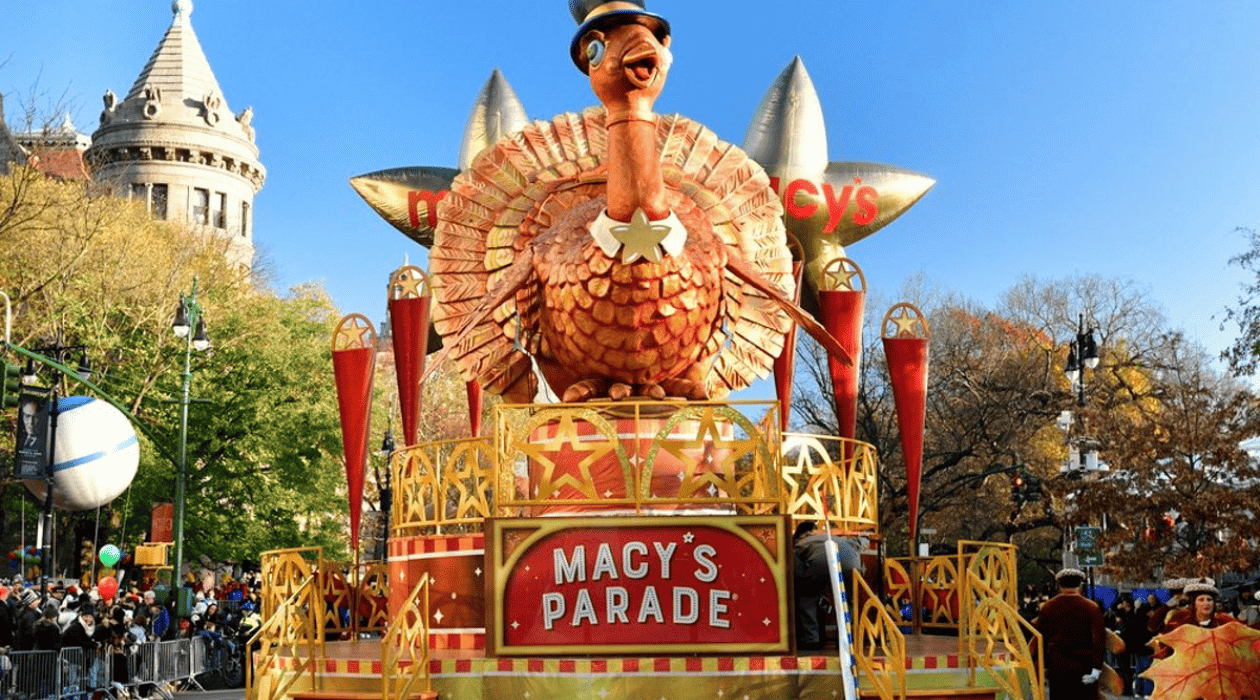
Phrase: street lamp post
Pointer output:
(1082, 457)
(187, 316)
(60, 356)
(1082, 355)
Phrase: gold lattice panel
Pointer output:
(283, 572)
(442, 487)
(833, 478)
(636, 456)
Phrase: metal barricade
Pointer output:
(74, 671)
(31, 675)
(75, 674)
(173, 662)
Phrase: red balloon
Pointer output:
(107, 587)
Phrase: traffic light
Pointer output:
(1032, 488)
(12, 386)
(1025, 488)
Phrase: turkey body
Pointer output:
(637, 323)
(519, 279)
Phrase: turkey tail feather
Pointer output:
(802, 318)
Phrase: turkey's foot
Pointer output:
(585, 390)
(619, 391)
(653, 391)
(686, 388)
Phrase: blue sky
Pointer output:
(1119, 138)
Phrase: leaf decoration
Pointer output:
(1208, 664)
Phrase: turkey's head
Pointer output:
(627, 65)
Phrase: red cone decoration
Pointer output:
(409, 301)
(905, 335)
(841, 305)
(474, 408)
(354, 364)
(785, 363)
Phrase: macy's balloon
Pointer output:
(95, 455)
(826, 206)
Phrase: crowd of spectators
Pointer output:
(1137, 622)
(68, 616)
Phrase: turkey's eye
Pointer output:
(595, 53)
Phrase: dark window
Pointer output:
(219, 213)
(201, 206)
(140, 191)
(157, 204)
(244, 219)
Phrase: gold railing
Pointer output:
(407, 640)
(292, 629)
(831, 477)
(286, 570)
(994, 563)
(442, 487)
(637, 457)
(879, 647)
(993, 635)
(633, 457)
(932, 581)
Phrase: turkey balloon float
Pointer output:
(623, 253)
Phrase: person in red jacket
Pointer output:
(1072, 630)
(1201, 611)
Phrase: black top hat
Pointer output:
(599, 14)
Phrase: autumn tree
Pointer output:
(85, 267)
(996, 392)
(1182, 490)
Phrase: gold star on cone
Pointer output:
(640, 237)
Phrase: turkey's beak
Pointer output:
(642, 64)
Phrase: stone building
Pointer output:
(173, 142)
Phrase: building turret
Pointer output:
(174, 143)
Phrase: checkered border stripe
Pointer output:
(435, 544)
(642, 665)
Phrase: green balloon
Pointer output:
(110, 555)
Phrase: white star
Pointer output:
(438, 616)
(712, 490)
(761, 580)
(721, 692)
(515, 624)
(688, 537)
(766, 622)
(527, 693)
(608, 493)
(477, 571)
(452, 595)
(603, 692)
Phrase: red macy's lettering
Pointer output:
(866, 198)
(430, 199)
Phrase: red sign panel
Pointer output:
(163, 517)
(639, 585)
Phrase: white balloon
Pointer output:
(95, 455)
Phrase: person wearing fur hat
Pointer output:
(1202, 595)
(1072, 630)
(1176, 600)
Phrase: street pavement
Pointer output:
(229, 694)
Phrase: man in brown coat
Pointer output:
(1072, 628)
